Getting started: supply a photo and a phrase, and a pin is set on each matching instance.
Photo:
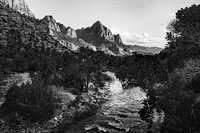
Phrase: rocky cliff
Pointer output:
(67, 31)
(65, 35)
(102, 37)
(57, 29)
(18, 5)
(17, 29)
(96, 34)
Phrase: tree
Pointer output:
(20, 63)
(35, 101)
(184, 30)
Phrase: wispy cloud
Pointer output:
(143, 39)
(171, 14)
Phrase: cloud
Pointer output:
(171, 14)
(143, 39)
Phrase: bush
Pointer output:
(178, 99)
(33, 101)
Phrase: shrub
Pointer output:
(33, 101)
(178, 99)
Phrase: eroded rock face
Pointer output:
(58, 30)
(64, 35)
(96, 34)
(68, 31)
(52, 26)
(18, 5)
(118, 39)
(102, 37)
(18, 29)
(100, 30)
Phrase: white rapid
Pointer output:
(118, 115)
(115, 86)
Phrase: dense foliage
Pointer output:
(171, 78)
(178, 97)
(33, 101)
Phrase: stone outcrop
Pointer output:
(18, 5)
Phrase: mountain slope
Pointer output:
(18, 5)
(19, 30)
(144, 50)
(96, 37)
(65, 35)
(102, 37)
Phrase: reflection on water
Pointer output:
(118, 115)
(115, 86)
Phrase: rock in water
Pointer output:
(18, 5)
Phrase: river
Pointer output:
(118, 115)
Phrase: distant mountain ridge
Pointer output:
(144, 50)
(18, 29)
(65, 35)
(96, 37)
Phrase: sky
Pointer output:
(140, 22)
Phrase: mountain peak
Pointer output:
(52, 24)
(97, 23)
(102, 37)
(49, 17)
(100, 32)
(18, 5)
(57, 29)
(118, 39)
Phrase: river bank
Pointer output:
(118, 115)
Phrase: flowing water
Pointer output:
(118, 115)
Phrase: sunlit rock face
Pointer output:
(67, 31)
(58, 30)
(66, 36)
(52, 25)
(18, 5)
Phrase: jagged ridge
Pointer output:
(102, 37)
(18, 29)
(65, 35)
